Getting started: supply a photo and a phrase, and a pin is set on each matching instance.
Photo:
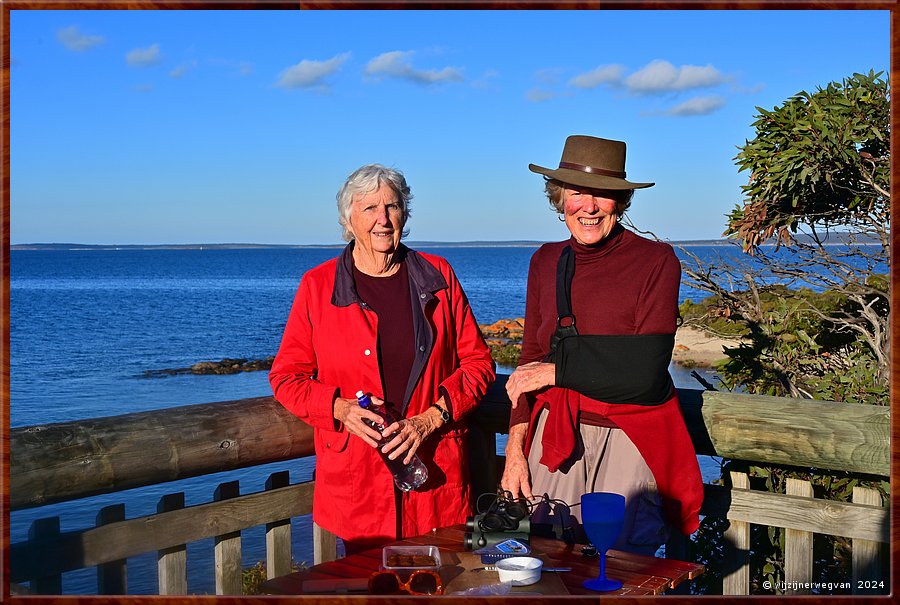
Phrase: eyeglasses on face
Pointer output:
(421, 582)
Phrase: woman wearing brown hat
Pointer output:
(594, 407)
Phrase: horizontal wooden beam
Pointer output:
(67, 460)
(848, 437)
(858, 521)
(64, 461)
(123, 539)
(771, 430)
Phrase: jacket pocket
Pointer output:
(334, 441)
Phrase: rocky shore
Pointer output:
(694, 348)
(224, 366)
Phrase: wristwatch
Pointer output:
(445, 415)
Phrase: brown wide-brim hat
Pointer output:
(591, 162)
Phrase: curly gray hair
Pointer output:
(365, 180)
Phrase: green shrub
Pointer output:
(253, 577)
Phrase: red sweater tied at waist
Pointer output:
(658, 432)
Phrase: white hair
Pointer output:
(366, 180)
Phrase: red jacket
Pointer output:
(329, 349)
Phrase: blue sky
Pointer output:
(145, 127)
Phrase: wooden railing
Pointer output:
(64, 461)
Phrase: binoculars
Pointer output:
(504, 519)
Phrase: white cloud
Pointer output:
(397, 64)
(698, 106)
(72, 38)
(182, 70)
(539, 96)
(143, 88)
(309, 74)
(245, 68)
(661, 76)
(144, 57)
(605, 74)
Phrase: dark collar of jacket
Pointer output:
(424, 281)
(424, 278)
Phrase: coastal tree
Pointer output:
(810, 291)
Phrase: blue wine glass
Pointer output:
(602, 515)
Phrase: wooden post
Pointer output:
(228, 548)
(324, 545)
(112, 577)
(866, 557)
(171, 563)
(40, 529)
(278, 534)
(736, 579)
(798, 545)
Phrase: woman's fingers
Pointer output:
(353, 418)
(410, 435)
(529, 377)
(403, 436)
(516, 478)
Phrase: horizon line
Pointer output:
(235, 245)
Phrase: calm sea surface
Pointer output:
(86, 325)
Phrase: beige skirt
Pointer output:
(605, 460)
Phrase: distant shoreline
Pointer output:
(411, 244)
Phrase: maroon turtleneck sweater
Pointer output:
(626, 284)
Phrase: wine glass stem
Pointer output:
(603, 565)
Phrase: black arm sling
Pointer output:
(611, 368)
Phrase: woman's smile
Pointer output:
(590, 214)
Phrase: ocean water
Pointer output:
(86, 325)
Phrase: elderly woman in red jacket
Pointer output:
(393, 322)
(594, 405)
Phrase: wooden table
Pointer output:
(641, 575)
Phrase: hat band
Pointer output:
(591, 169)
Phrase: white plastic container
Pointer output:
(521, 571)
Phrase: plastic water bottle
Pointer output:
(406, 476)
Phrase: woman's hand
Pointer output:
(408, 434)
(530, 377)
(516, 476)
(351, 414)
